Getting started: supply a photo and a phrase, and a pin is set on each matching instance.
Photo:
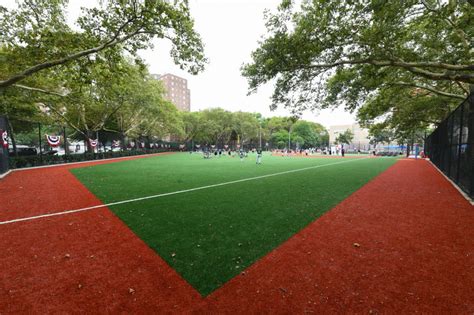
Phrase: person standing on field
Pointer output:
(259, 156)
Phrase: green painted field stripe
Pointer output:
(173, 193)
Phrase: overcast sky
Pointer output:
(230, 30)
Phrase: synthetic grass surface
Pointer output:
(211, 235)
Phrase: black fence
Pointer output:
(451, 146)
(36, 144)
(3, 146)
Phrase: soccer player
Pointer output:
(259, 156)
(241, 153)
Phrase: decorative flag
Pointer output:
(238, 146)
(226, 146)
(181, 146)
(115, 143)
(53, 141)
(142, 145)
(198, 146)
(93, 143)
(4, 138)
(131, 144)
(213, 146)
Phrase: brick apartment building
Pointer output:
(177, 90)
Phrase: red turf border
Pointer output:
(416, 254)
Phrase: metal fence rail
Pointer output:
(451, 146)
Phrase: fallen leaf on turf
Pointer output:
(131, 291)
(356, 245)
(67, 256)
(173, 254)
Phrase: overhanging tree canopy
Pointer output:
(339, 52)
(38, 38)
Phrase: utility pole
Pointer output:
(289, 139)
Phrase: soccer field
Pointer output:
(211, 218)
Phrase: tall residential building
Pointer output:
(360, 140)
(177, 91)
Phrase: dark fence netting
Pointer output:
(36, 144)
(451, 146)
(3, 145)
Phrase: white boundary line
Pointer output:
(82, 162)
(173, 193)
(466, 196)
(5, 174)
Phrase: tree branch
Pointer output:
(29, 88)
(414, 67)
(49, 64)
(431, 89)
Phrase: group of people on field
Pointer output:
(208, 153)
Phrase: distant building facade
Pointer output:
(177, 91)
(360, 140)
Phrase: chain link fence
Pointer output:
(451, 146)
(35, 144)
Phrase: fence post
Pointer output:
(4, 153)
(459, 143)
(66, 145)
(450, 143)
(470, 140)
(40, 143)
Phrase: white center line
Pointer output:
(173, 193)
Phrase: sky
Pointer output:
(230, 30)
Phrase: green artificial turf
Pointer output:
(211, 235)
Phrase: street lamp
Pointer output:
(289, 139)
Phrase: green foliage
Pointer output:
(345, 137)
(217, 126)
(40, 41)
(348, 53)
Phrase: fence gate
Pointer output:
(3, 148)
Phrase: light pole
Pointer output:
(289, 139)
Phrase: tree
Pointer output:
(280, 138)
(246, 126)
(332, 53)
(311, 134)
(39, 40)
(345, 137)
(378, 133)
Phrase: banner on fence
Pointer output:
(93, 143)
(4, 138)
(53, 141)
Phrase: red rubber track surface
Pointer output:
(416, 254)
